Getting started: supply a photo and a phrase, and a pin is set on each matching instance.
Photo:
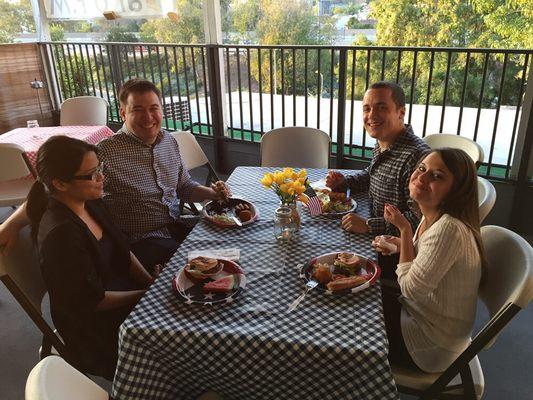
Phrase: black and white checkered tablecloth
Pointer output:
(331, 347)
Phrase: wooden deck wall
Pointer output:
(19, 65)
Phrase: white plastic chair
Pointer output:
(54, 379)
(506, 289)
(193, 157)
(486, 197)
(14, 168)
(474, 150)
(84, 110)
(21, 274)
(295, 146)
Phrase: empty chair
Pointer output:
(295, 146)
(84, 110)
(474, 150)
(15, 169)
(504, 291)
(193, 157)
(486, 197)
(21, 274)
(54, 379)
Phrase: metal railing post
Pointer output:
(53, 89)
(523, 151)
(341, 106)
(216, 102)
(115, 68)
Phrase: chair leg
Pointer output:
(46, 348)
(468, 383)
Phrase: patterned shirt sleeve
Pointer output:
(359, 182)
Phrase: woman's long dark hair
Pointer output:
(58, 158)
(461, 202)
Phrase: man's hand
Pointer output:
(354, 223)
(221, 190)
(334, 180)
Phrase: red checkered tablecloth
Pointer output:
(32, 138)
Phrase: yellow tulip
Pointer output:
(294, 176)
(299, 188)
(288, 172)
(267, 180)
(303, 198)
(302, 173)
(284, 187)
(279, 178)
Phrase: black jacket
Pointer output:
(77, 274)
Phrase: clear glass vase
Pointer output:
(295, 213)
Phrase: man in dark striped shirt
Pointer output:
(396, 154)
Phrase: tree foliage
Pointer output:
(16, 18)
(449, 23)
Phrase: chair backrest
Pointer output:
(13, 164)
(295, 146)
(509, 272)
(474, 150)
(486, 197)
(21, 267)
(84, 110)
(21, 274)
(191, 153)
(54, 379)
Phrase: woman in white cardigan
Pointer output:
(440, 266)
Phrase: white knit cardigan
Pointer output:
(439, 293)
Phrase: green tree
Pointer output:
(449, 23)
(120, 33)
(57, 33)
(245, 17)
(16, 18)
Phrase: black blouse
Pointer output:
(77, 270)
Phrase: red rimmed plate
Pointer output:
(370, 270)
(191, 291)
(215, 210)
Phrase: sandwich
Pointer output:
(347, 264)
(203, 267)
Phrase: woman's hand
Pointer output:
(334, 180)
(386, 244)
(393, 216)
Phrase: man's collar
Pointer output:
(400, 140)
(134, 137)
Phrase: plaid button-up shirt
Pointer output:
(387, 180)
(143, 183)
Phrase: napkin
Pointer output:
(232, 254)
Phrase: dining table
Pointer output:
(30, 139)
(333, 346)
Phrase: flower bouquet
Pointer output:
(289, 185)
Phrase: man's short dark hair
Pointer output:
(138, 86)
(398, 95)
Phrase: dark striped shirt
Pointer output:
(143, 183)
(387, 180)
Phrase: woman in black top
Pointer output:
(92, 277)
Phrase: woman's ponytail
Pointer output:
(36, 204)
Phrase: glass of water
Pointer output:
(32, 123)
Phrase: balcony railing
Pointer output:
(477, 93)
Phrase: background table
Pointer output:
(331, 347)
(32, 138)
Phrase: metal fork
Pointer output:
(311, 284)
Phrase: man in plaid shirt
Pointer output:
(145, 178)
(396, 154)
